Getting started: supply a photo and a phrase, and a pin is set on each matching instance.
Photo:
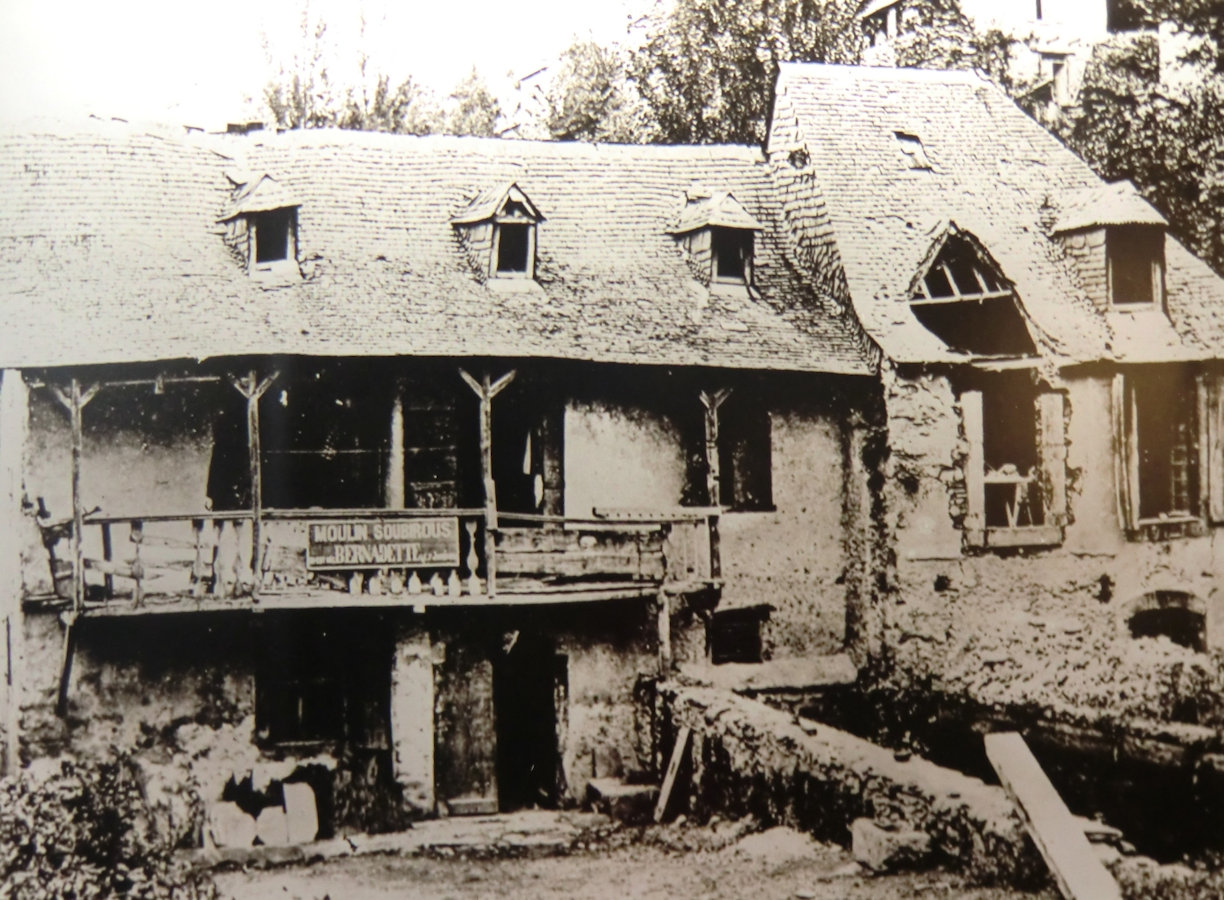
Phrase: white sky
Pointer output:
(195, 62)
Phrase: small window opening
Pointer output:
(320, 679)
(272, 235)
(735, 635)
(513, 249)
(745, 454)
(1009, 444)
(1136, 264)
(732, 251)
(913, 151)
(1165, 430)
(1168, 614)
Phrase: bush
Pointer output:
(83, 831)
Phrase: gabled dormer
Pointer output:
(1116, 241)
(499, 229)
(262, 227)
(963, 298)
(718, 236)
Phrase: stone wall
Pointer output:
(1046, 627)
(748, 758)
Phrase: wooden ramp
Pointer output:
(1060, 838)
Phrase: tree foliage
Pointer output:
(1159, 125)
(592, 98)
(707, 68)
(474, 109)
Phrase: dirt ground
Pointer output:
(775, 864)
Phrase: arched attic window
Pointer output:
(503, 224)
(963, 298)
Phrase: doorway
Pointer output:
(530, 685)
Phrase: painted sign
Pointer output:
(390, 543)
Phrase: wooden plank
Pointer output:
(673, 766)
(975, 468)
(1054, 457)
(572, 564)
(1060, 838)
(663, 614)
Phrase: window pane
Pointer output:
(272, 235)
(1135, 259)
(732, 249)
(512, 248)
(1168, 454)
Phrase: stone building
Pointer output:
(396, 464)
(401, 466)
(1053, 480)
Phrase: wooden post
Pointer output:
(485, 391)
(394, 487)
(14, 426)
(663, 612)
(108, 554)
(673, 767)
(253, 389)
(712, 401)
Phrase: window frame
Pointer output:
(747, 433)
(1049, 411)
(1204, 429)
(1135, 237)
(499, 226)
(256, 223)
(744, 243)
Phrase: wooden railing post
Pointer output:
(108, 554)
(485, 390)
(712, 401)
(74, 401)
(253, 389)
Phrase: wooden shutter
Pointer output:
(1053, 458)
(975, 469)
(1126, 453)
(1211, 445)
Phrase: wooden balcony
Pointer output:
(378, 558)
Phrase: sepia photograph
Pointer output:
(634, 448)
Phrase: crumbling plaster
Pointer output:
(1045, 627)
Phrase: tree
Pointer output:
(1163, 133)
(303, 94)
(707, 68)
(474, 109)
(592, 98)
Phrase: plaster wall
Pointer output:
(620, 455)
(793, 557)
(1041, 626)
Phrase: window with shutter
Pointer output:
(1015, 465)
(1163, 438)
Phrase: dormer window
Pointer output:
(718, 235)
(502, 223)
(1115, 239)
(965, 301)
(262, 225)
(1135, 265)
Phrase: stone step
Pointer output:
(631, 803)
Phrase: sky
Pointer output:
(196, 62)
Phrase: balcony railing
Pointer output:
(380, 557)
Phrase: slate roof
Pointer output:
(111, 251)
(995, 173)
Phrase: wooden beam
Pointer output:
(1060, 838)
(14, 430)
(673, 767)
(253, 389)
(393, 495)
(67, 650)
(485, 390)
(75, 401)
(663, 613)
(713, 401)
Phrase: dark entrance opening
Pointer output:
(529, 685)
